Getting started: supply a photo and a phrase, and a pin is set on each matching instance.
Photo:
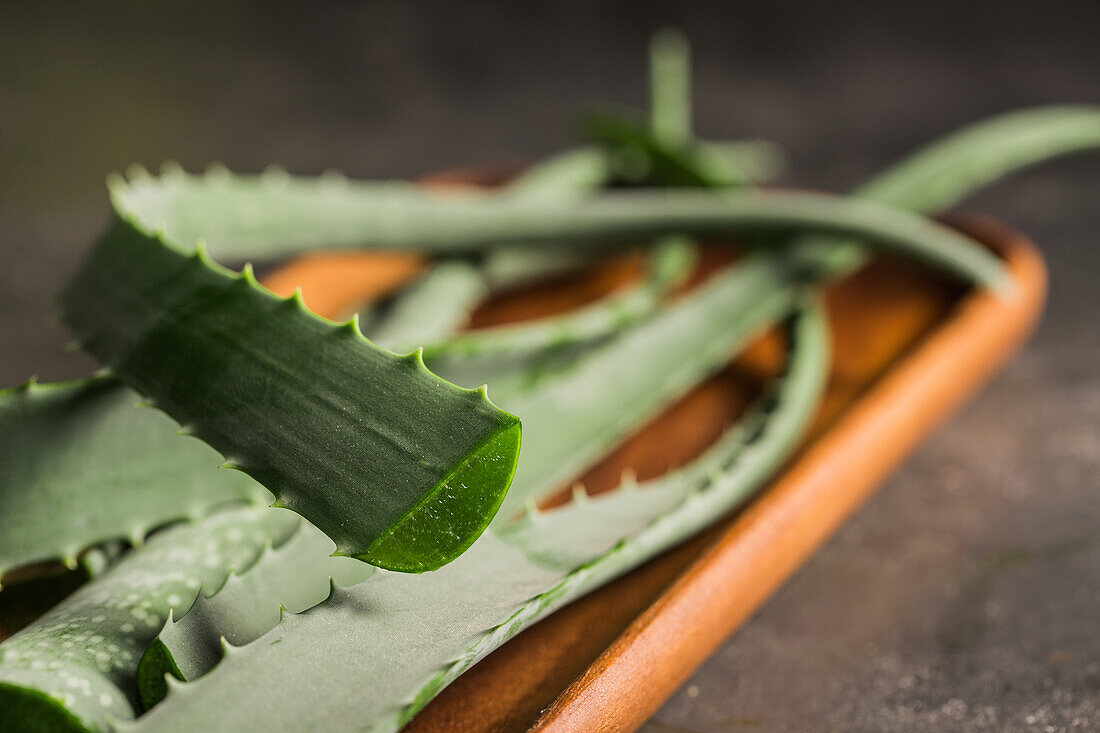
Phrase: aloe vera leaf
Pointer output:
(938, 175)
(720, 478)
(670, 87)
(77, 662)
(662, 152)
(670, 262)
(396, 641)
(430, 309)
(294, 576)
(402, 469)
(382, 639)
(575, 415)
(641, 156)
(508, 267)
(947, 170)
(249, 216)
(573, 172)
(81, 464)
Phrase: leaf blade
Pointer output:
(360, 441)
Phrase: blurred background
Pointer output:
(964, 596)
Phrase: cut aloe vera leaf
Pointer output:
(396, 641)
(73, 669)
(294, 577)
(81, 464)
(579, 403)
(401, 469)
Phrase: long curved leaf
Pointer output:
(939, 175)
(264, 216)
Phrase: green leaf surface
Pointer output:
(395, 641)
(570, 175)
(76, 665)
(295, 576)
(81, 464)
(670, 87)
(402, 469)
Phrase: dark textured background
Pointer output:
(965, 596)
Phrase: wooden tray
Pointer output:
(909, 347)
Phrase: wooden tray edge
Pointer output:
(779, 531)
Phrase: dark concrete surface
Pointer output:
(964, 597)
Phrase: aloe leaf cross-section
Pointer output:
(399, 467)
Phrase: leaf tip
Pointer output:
(225, 646)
